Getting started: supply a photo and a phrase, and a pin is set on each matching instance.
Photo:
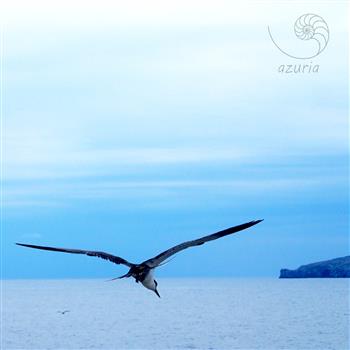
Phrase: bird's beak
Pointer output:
(155, 291)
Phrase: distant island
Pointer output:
(335, 268)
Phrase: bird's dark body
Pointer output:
(139, 272)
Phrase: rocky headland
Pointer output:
(335, 268)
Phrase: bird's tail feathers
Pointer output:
(117, 278)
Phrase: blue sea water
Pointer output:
(192, 314)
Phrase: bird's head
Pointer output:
(155, 288)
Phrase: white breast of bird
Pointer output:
(148, 282)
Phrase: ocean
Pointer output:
(196, 313)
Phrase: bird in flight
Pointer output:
(63, 312)
(144, 272)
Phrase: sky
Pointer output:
(131, 127)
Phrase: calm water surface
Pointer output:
(192, 314)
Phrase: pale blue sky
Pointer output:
(130, 128)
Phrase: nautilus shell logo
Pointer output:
(308, 27)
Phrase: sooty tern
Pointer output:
(144, 272)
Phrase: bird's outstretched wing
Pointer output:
(157, 260)
(114, 259)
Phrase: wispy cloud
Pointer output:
(48, 194)
(34, 235)
(48, 163)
